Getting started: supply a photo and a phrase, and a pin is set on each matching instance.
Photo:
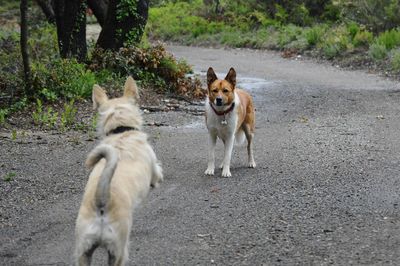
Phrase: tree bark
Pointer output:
(71, 28)
(99, 8)
(24, 45)
(48, 10)
(124, 24)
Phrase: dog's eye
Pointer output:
(226, 90)
(215, 90)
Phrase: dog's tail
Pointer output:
(240, 137)
(103, 186)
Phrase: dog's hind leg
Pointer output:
(249, 137)
(212, 141)
(85, 258)
(118, 247)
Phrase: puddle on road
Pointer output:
(253, 83)
(247, 83)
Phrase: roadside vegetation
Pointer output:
(349, 32)
(59, 84)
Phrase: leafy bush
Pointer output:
(68, 116)
(377, 15)
(353, 28)
(390, 39)
(377, 51)
(151, 65)
(336, 41)
(288, 34)
(362, 38)
(64, 78)
(314, 35)
(300, 15)
(395, 60)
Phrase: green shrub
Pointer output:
(281, 15)
(11, 66)
(362, 38)
(353, 28)
(390, 39)
(3, 115)
(336, 41)
(47, 119)
(300, 15)
(376, 15)
(62, 78)
(68, 115)
(395, 60)
(314, 35)
(151, 65)
(377, 51)
(288, 34)
(331, 50)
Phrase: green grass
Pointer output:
(390, 39)
(244, 25)
(9, 177)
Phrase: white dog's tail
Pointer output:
(103, 186)
(240, 137)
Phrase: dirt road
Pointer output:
(325, 190)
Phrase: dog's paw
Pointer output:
(226, 173)
(252, 164)
(155, 185)
(209, 171)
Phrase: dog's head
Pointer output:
(117, 112)
(221, 91)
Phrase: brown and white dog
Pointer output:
(124, 167)
(229, 116)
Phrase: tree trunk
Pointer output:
(99, 8)
(48, 10)
(24, 45)
(71, 28)
(124, 24)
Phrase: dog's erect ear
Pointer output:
(231, 77)
(211, 77)
(99, 96)
(130, 88)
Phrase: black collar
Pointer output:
(120, 129)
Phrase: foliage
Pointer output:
(390, 39)
(395, 60)
(362, 38)
(150, 65)
(9, 177)
(68, 116)
(64, 78)
(336, 41)
(377, 15)
(314, 35)
(44, 118)
(377, 51)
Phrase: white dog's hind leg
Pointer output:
(249, 136)
(212, 141)
(226, 172)
(84, 256)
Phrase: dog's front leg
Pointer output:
(212, 141)
(226, 172)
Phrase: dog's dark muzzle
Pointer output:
(218, 101)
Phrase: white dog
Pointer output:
(124, 167)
